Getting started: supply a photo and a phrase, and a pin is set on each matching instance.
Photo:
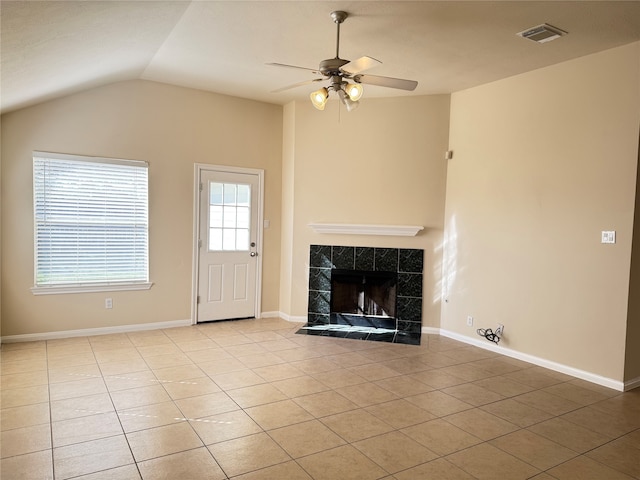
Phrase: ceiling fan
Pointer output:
(338, 71)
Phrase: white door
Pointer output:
(228, 245)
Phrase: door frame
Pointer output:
(197, 175)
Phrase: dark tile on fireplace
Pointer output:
(343, 257)
(340, 319)
(410, 284)
(319, 302)
(382, 337)
(357, 335)
(323, 333)
(407, 338)
(362, 321)
(364, 258)
(317, 319)
(411, 260)
(320, 256)
(320, 279)
(360, 333)
(386, 259)
(408, 327)
(409, 309)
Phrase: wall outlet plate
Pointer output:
(470, 321)
(608, 236)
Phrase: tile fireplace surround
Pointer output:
(406, 263)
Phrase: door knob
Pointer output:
(254, 254)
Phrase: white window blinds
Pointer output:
(91, 220)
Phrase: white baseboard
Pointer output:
(431, 330)
(541, 362)
(86, 332)
(285, 316)
(631, 384)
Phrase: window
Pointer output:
(229, 216)
(91, 223)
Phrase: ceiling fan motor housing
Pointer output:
(331, 66)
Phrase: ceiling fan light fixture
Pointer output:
(354, 90)
(319, 98)
(349, 104)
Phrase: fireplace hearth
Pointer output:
(365, 293)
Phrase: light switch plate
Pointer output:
(608, 236)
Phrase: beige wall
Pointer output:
(381, 164)
(0, 227)
(288, 147)
(542, 163)
(632, 357)
(170, 127)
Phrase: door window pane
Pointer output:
(243, 195)
(228, 239)
(242, 217)
(229, 216)
(229, 194)
(242, 239)
(216, 194)
(215, 216)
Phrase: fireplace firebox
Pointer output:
(363, 298)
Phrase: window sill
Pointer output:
(90, 288)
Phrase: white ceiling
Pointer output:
(53, 48)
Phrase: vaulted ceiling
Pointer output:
(53, 48)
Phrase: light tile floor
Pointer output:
(253, 400)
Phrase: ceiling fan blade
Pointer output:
(360, 65)
(299, 84)
(390, 82)
(314, 70)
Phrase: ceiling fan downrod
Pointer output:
(338, 17)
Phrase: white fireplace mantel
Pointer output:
(359, 229)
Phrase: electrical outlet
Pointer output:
(469, 321)
(608, 236)
(108, 303)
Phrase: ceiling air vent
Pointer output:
(542, 33)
